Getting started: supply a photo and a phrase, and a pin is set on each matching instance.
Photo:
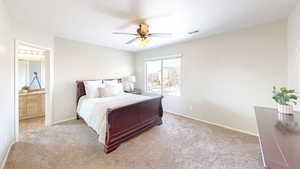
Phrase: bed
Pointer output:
(119, 118)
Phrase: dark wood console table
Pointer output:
(279, 137)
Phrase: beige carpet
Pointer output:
(179, 143)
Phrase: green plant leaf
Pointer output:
(283, 89)
(284, 96)
(294, 97)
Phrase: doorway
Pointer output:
(32, 84)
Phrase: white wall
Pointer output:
(82, 61)
(294, 49)
(33, 35)
(7, 134)
(224, 76)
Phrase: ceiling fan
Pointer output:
(143, 35)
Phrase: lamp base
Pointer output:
(129, 87)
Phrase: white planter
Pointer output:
(286, 109)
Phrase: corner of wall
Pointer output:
(293, 38)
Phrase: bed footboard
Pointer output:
(127, 122)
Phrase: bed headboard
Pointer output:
(81, 88)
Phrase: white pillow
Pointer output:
(111, 90)
(110, 82)
(92, 88)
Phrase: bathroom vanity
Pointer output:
(32, 104)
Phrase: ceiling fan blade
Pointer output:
(131, 41)
(163, 35)
(120, 33)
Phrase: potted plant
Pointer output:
(285, 99)
(25, 89)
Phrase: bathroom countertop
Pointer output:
(32, 93)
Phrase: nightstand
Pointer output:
(135, 91)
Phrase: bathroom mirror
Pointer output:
(31, 73)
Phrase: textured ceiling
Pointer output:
(93, 21)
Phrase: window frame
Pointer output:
(161, 59)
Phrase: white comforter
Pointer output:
(93, 110)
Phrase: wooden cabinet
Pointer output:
(31, 105)
(279, 137)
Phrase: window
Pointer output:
(163, 76)
(154, 80)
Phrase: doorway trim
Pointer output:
(48, 85)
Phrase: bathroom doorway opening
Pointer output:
(32, 84)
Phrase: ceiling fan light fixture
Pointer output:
(143, 41)
(142, 35)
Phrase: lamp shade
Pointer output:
(131, 79)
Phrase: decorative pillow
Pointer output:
(92, 88)
(111, 90)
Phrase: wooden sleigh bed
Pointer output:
(126, 122)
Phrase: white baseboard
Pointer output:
(61, 121)
(6, 155)
(215, 124)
